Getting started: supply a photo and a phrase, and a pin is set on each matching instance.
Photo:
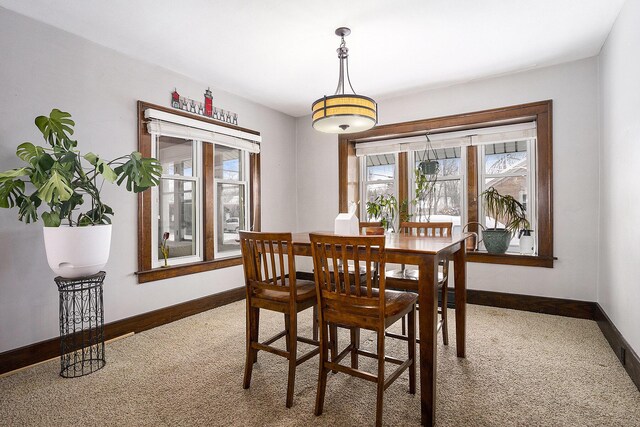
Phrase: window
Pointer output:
(379, 178)
(444, 200)
(208, 192)
(509, 148)
(176, 207)
(509, 168)
(231, 184)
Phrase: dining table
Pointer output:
(425, 253)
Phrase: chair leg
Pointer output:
(404, 326)
(287, 329)
(445, 328)
(252, 318)
(355, 343)
(315, 323)
(256, 334)
(412, 350)
(333, 342)
(292, 348)
(380, 395)
(323, 371)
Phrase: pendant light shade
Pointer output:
(344, 112)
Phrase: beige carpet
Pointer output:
(522, 369)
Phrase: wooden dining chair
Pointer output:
(369, 225)
(349, 302)
(407, 279)
(271, 284)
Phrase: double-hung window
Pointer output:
(440, 167)
(231, 195)
(210, 179)
(509, 167)
(438, 191)
(177, 200)
(379, 172)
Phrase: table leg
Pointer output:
(460, 277)
(428, 326)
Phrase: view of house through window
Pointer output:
(507, 168)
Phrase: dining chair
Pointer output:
(369, 225)
(349, 302)
(271, 284)
(407, 279)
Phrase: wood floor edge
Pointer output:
(623, 351)
(44, 350)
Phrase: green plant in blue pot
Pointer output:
(507, 212)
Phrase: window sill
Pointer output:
(511, 259)
(185, 269)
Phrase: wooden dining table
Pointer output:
(425, 253)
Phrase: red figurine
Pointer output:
(208, 103)
(175, 99)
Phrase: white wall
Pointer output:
(619, 278)
(44, 68)
(573, 88)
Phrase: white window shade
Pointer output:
(167, 124)
(490, 135)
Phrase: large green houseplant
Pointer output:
(65, 185)
(506, 211)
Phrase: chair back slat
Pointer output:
(343, 290)
(268, 260)
(426, 229)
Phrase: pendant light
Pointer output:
(344, 112)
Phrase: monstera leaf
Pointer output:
(10, 192)
(140, 172)
(55, 190)
(57, 128)
(29, 208)
(101, 166)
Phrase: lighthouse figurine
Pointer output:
(175, 99)
(208, 103)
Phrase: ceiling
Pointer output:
(282, 54)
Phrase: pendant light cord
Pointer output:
(343, 55)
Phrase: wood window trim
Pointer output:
(145, 272)
(541, 112)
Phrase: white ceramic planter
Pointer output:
(527, 245)
(77, 251)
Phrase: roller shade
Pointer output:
(167, 124)
(491, 135)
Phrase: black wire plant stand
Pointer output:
(81, 325)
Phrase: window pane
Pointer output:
(176, 156)
(449, 160)
(230, 216)
(228, 164)
(443, 204)
(508, 157)
(381, 167)
(177, 217)
(375, 190)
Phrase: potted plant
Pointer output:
(384, 208)
(509, 212)
(426, 176)
(66, 185)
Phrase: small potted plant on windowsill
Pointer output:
(384, 208)
(508, 210)
(61, 180)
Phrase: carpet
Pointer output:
(522, 369)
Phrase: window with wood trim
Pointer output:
(508, 148)
(210, 189)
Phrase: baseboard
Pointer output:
(628, 358)
(536, 304)
(44, 350)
